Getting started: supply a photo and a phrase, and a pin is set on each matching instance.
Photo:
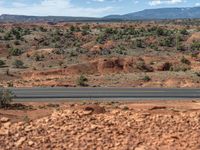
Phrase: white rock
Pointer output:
(7, 125)
(4, 119)
(4, 131)
(30, 143)
(20, 141)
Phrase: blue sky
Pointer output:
(91, 8)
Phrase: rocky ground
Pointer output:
(108, 126)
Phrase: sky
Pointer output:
(90, 8)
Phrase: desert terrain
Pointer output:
(117, 54)
(125, 54)
(137, 125)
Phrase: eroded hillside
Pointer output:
(134, 54)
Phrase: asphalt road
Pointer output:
(103, 93)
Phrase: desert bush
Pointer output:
(73, 54)
(146, 78)
(160, 31)
(53, 105)
(81, 81)
(84, 32)
(139, 43)
(194, 55)
(17, 32)
(42, 29)
(1, 30)
(18, 64)
(86, 27)
(121, 51)
(7, 36)
(26, 119)
(197, 74)
(143, 67)
(185, 61)
(72, 28)
(39, 57)
(2, 63)
(184, 32)
(179, 47)
(101, 38)
(59, 51)
(110, 31)
(17, 43)
(180, 67)
(125, 108)
(166, 66)
(6, 97)
(10, 84)
(168, 41)
(15, 51)
(195, 45)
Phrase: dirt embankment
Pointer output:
(146, 71)
(100, 66)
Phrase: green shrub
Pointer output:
(2, 63)
(7, 36)
(15, 52)
(72, 28)
(17, 32)
(42, 29)
(180, 67)
(9, 84)
(6, 97)
(184, 32)
(39, 57)
(185, 61)
(121, 51)
(143, 67)
(168, 41)
(160, 31)
(197, 74)
(146, 78)
(84, 32)
(18, 64)
(139, 43)
(101, 38)
(195, 46)
(17, 43)
(194, 55)
(26, 119)
(81, 81)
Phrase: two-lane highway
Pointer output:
(103, 93)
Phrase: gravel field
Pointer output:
(170, 125)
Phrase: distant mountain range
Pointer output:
(23, 18)
(147, 14)
(161, 13)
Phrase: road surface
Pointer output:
(104, 93)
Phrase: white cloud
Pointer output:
(197, 4)
(107, 1)
(98, 0)
(53, 8)
(135, 1)
(160, 2)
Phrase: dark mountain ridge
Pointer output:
(161, 13)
